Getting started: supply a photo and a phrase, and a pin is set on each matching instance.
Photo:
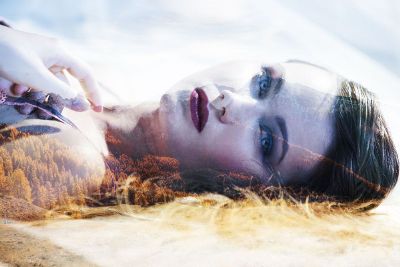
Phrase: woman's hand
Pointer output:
(32, 61)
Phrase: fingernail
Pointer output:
(98, 108)
(39, 96)
(19, 89)
(80, 104)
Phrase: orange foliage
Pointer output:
(43, 171)
(47, 173)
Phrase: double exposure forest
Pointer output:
(45, 172)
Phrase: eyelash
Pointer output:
(266, 140)
(264, 82)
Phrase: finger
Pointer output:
(79, 103)
(53, 100)
(25, 109)
(19, 89)
(5, 86)
(59, 73)
(43, 79)
(35, 95)
(31, 95)
(83, 73)
(56, 102)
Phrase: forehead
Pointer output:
(237, 73)
(308, 97)
(311, 76)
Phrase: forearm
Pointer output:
(3, 42)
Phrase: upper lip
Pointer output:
(198, 108)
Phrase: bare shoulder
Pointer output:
(52, 131)
(54, 162)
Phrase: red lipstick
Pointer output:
(198, 108)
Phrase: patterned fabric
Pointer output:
(3, 96)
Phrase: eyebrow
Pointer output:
(278, 86)
(285, 146)
(307, 63)
(277, 82)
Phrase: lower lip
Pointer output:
(198, 108)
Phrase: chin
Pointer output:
(172, 118)
(167, 102)
(167, 112)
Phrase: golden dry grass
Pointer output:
(256, 217)
(211, 223)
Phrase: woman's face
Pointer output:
(251, 117)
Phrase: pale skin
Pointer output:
(298, 115)
(41, 66)
(230, 140)
(231, 137)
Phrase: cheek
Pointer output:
(233, 150)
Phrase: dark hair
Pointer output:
(362, 164)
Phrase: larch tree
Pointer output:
(20, 185)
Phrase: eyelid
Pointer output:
(264, 127)
(264, 160)
(277, 80)
(254, 84)
(276, 70)
(277, 76)
(266, 164)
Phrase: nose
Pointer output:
(234, 108)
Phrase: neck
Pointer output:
(134, 131)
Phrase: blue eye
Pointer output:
(266, 140)
(264, 83)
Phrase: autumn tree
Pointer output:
(7, 162)
(1, 168)
(20, 187)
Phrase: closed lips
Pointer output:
(198, 108)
